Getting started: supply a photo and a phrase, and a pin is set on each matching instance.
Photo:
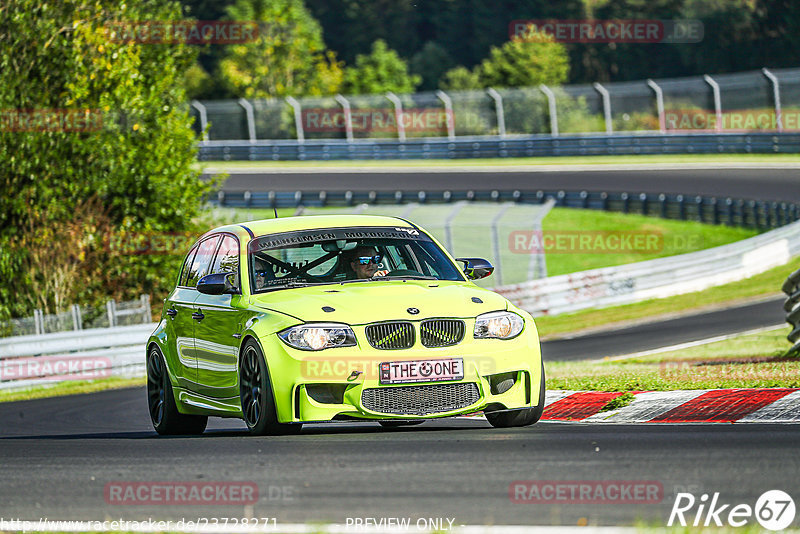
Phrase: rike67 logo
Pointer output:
(774, 510)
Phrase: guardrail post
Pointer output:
(662, 201)
(77, 323)
(448, 224)
(448, 110)
(643, 200)
(498, 108)
(699, 201)
(584, 199)
(729, 206)
(606, 106)
(251, 119)
(717, 99)
(662, 121)
(348, 117)
(398, 115)
(201, 109)
(681, 207)
(551, 104)
(298, 118)
(604, 201)
(776, 97)
(714, 211)
(146, 316)
(625, 202)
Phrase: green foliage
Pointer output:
(287, 58)
(431, 63)
(380, 71)
(525, 63)
(128, 170)
(460, 79)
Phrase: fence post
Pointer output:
(76, 317)
(448, 222)
(38, 322)
(496, 242)
(606, 106)
(201, 109)
(499, 112)
(398, 115)
(298, 118)
(111, 308)
(776, 97)
(717, 99)
(662, 121)
(348, 117)
(551, 104)
(448, 110)
(251, 119)
(145, 300)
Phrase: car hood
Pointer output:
(366, 302)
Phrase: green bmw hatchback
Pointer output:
(337, 318)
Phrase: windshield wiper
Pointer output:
(399, 277)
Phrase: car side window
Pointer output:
(227, 259)
(202, 261)
(186, 267)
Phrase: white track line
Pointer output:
(689, 344)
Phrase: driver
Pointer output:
(260, 273)
(365, 263)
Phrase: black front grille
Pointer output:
(387, 336)
(441, 332)
(420, 400)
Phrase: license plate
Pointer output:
(421, 371)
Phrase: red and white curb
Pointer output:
(773, 405)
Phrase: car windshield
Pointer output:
(339, 255)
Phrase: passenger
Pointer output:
(365, 262)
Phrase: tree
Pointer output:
(287, 58)
(379, 71)
(525, 63)
(460, 79)
(431, 63)
(95, 138)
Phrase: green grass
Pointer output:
(761, 285)
(502, 162)
(70, 388)
(750, 361)
(660, 238)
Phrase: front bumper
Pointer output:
(343, 383)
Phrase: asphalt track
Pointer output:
(58, 455)
(772, 184)
(683, 329)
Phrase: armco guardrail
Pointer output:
(658, 278)
(792, 308)
(496, 147)
(712, 210)
(77, 355)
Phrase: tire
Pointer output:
(525, 417)
(255, 395)
(395, 424)
(164, 414)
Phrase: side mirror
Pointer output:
(217, 284)
(476, 268)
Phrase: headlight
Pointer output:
(318, 336)
(501, 325)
